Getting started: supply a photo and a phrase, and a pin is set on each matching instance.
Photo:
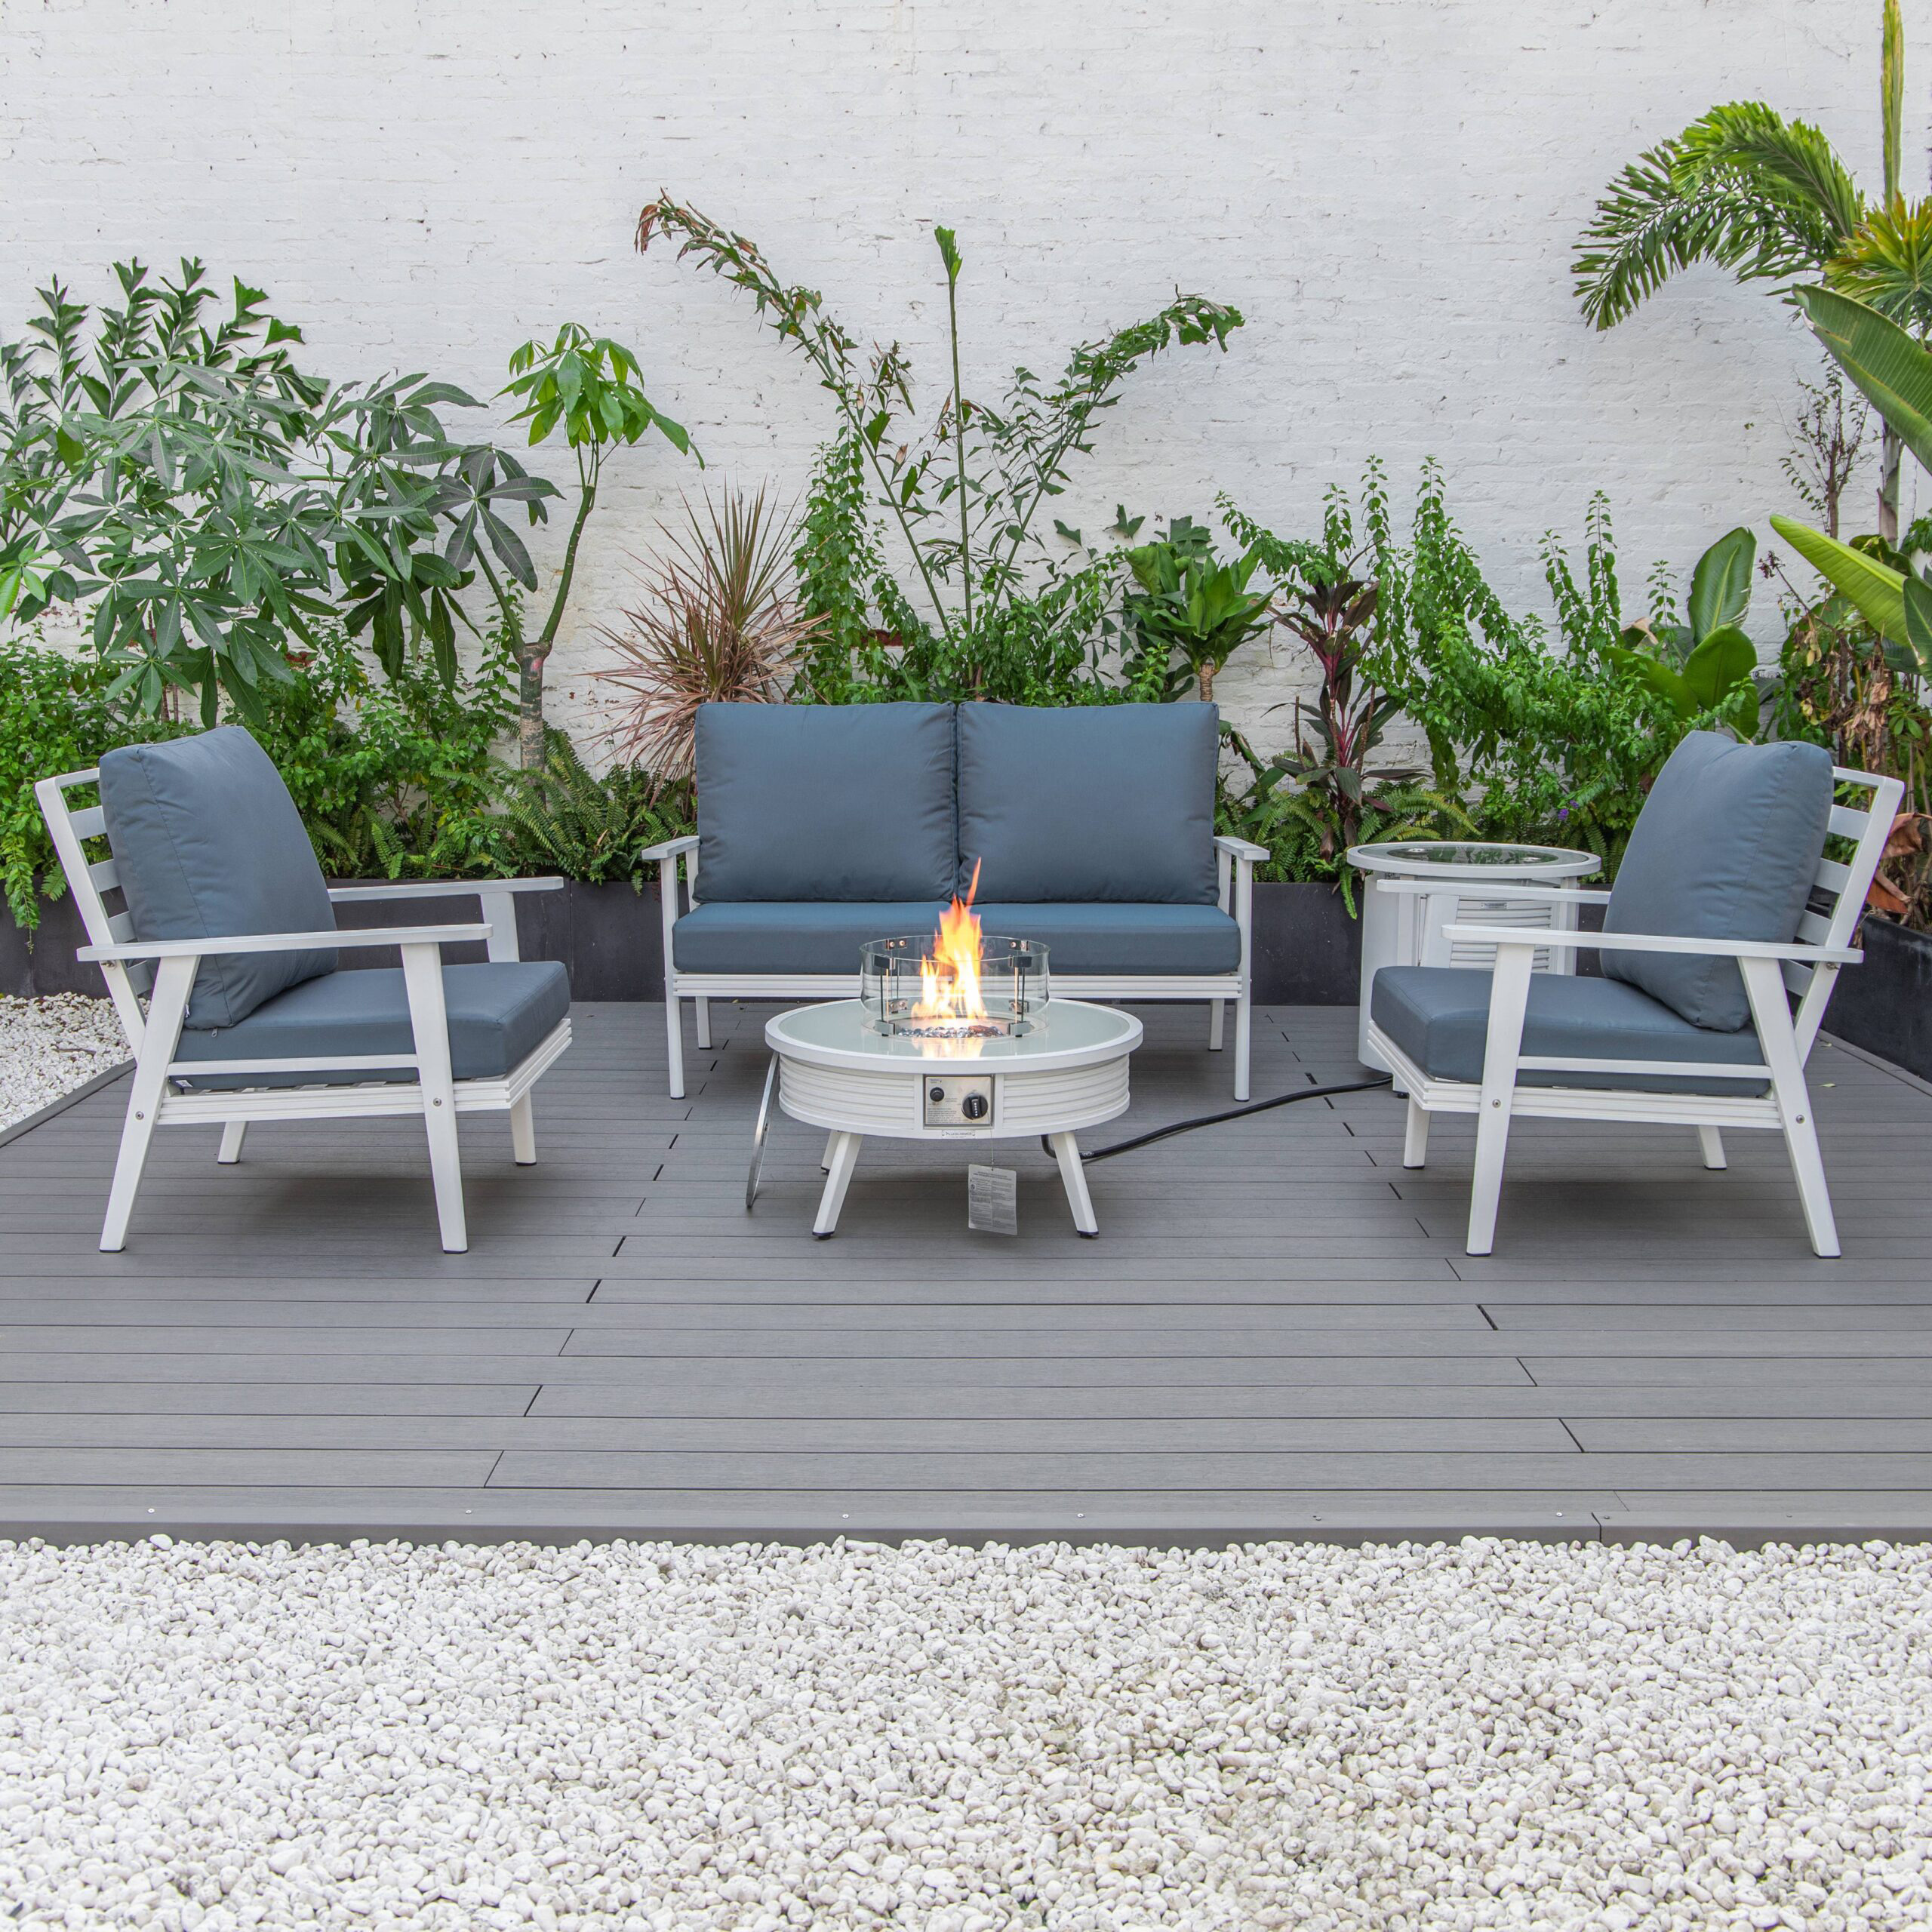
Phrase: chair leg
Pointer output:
(1710, 1143)
(231, 1132)
(158, 1041)
(1217, 1013)
(674, 1044)
(703, 1016)
(523, 1133)
(1415, 1137)
(1776, 1039)
(1244, 1041)
(1807, 1167)
(429, 1019)
(1508, 997)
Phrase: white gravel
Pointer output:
(49, 1047)
(213, 1735)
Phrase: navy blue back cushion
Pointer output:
(822, 801)
(207, 841)
(1095, 802)
(1727, 847)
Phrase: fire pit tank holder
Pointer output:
(912, 988)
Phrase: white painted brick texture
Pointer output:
(1389, 188)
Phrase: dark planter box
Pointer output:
(1307, 948)
(1885, 1005)
(608, 935)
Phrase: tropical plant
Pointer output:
(1332, 788)
(1894, 371)
(206, 501)
(718, 624)
(591, 388)
(1539, 739)
(966, 495)
(1770, 200)
(565, 818)
(1704, 669)
(1192, 606)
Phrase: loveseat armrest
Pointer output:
(1240, 848)
(671, 848)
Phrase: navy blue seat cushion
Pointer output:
(207, 841)
(1108, 802)
(824, 801)
(805, 936)
(1439, 1016)
(1727, 847)
(499, 1013)
(1110, 938)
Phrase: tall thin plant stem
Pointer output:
(949, 250)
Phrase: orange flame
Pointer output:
(949, 974)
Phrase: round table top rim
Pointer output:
(1542, 861)
(1045, 1058)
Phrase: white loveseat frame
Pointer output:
(1234, 861)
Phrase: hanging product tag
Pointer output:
(992, 1200)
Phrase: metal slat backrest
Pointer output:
(89, 880)
(1838, 891)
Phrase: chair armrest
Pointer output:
(223, 943)
(1463, 888)
(672, 848)
(452, 888)
(1726, 948)
(1240, 848)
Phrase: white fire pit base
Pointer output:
(831, 1068)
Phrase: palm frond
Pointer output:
(1887, 264)
(1741, 189)
(1789, 163)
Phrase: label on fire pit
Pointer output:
(992, 1200)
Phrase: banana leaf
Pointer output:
(1721, 588)
(1890, 366)
(1877, 594)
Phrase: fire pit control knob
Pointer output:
(973, 1106)
(936, 1095)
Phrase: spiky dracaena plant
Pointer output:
(1770, 200)
(719, 624)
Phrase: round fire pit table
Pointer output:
(1395, 926)
(831, 1067)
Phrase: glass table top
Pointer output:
(841, 1027)
(1406, 855)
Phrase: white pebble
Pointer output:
(1483, 1735)
(49, 1047)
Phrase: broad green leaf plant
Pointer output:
(1192, 606)
(1705, 668)
(592, 389)
(1770, 200)
(171, 475)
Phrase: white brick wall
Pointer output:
(1389, 188)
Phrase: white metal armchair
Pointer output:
(1696, 1029)
(228, 929)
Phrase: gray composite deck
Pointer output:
(1276, 1334)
